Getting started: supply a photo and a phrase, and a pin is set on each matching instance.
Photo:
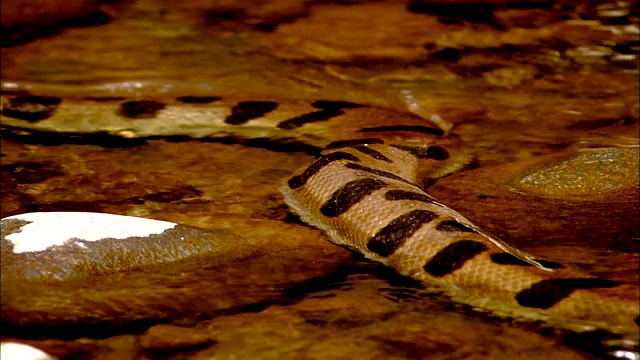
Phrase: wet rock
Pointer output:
(93, 297)
(17, 351)
(63, 245)
(586, 173)
(590, 208)
(163, 337)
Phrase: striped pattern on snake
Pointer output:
(366, 198)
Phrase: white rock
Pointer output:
(57, 228)
(17, 351)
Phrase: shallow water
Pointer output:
(546, 98)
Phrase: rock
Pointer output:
(590, 172)
(17, 351)
(98, 275)
(64, 245)
(163, 337)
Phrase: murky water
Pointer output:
(546, 98)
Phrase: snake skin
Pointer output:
(365, 198)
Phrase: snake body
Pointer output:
(306, 125)
(366, 198)
(363, 193)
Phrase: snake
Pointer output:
(365, 191)
(367, 198)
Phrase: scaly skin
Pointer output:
(365, 199)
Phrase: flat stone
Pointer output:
(586, 173)
(162, 337)
(64, 245)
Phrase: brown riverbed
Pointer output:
(545, 93)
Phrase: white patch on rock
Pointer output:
(17, 351)
(57, 228)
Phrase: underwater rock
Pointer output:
(64, 245)
(588, 172)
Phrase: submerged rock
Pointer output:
(63, 245)
(588, 172)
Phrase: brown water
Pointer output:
(546, 97)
